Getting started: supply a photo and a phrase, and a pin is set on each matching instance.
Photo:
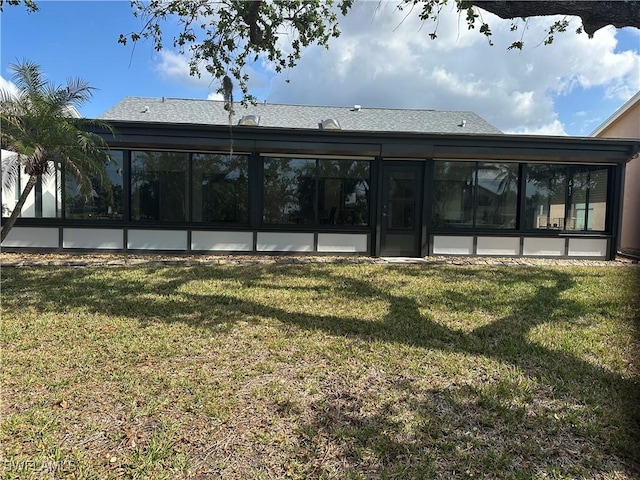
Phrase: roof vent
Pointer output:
(250, 120)
(463, 123)
(145, 109)
(356, 108)
(330, 124)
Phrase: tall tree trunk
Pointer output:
(8, 225)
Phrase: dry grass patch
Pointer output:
(320, 371)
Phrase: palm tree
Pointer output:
(37, 124)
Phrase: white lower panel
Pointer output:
(587, 247)
(285, 242)
(450, 245)
(342, 242)
(498, 246)
(32, 237)
(222, 241)
(157, 240)
(98, 238)
(552, 247)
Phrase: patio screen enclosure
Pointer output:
(177, 190)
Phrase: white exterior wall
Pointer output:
(222, 241)
(588, 247)
(498, 246)
(452, 245)
(342, 243)
(93, 238)
(32, 237)
(543, 247)
(284, 242)
(157, 240)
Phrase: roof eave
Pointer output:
(529, 148)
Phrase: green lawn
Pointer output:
(320, 371)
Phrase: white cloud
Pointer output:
(8, 86)
(385, 58)
(174, 67)
(555, 127)
(382, 60)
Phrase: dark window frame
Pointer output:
(187, 200)
(569, 170)
(123, 201)
(249, 198)
(317, 223)
(475, 195)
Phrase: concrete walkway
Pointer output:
(127, 259)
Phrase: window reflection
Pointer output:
(343, 192)
(550, 187)
(105, 201)
(289, 188)
(159, 186)
(545, 197)
(220, 188)
(402, 201)
(453, 194)
(588, 198)
(309, 191)
(468, 194)
(497, 195)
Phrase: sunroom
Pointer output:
(184, 187)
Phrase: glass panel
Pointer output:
(50, 192)
(597, 199)
(402, 201)
(453, 194)
(159, 186)
(43, 201)
(497, 195)
(29, 207)
(578, 200)
(343, 189)
(588, 201)
(104, 202)
(545, 197)
(9, 197)
(220, 188)
(289, 191)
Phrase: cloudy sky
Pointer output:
(382, 59)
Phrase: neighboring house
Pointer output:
(337, 180)
(625, 123)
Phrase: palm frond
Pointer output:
(28, 77)
(10, 169)
(79, 91)
(90, 124)
(37, 124)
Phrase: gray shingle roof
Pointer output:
(212, 112)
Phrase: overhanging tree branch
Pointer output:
(222, 37)
(594, 14)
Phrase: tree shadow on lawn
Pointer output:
(468, 415)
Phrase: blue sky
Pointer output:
(569, 87)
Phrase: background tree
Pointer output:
(221, 37)
(38, 126)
